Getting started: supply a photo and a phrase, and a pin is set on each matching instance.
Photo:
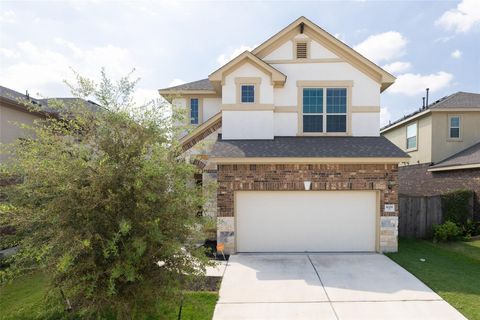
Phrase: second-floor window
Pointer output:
(454, 127)
(248, 93)
(194, 111)
(412, 136)
(332, 118)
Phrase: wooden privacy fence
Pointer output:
(418, 215)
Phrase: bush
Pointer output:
(471, 228)
(456, 206)
(447, 231)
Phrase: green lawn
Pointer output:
(25, 299)
(451, 269)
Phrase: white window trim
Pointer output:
(460, 120)
(325, 85)
(416, 137)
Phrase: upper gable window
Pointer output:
(332, 118)
(248, 93)
(194, 111)
(301, 50)
(454, 127)
(412, 136)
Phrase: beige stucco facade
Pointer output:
(444, 147)
(433, 142)
(10, 120)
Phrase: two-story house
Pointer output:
(443, 141)
(296, 151)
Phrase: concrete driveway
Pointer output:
(325, 286)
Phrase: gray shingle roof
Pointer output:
(203, 84)
(23, 101)
(315, 147)
(456, 100)
(468, 156)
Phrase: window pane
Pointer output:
(454, 132)
(455, 122)
(411, 142)
(336, 123)
(248, 93)
(336, 100)
(412, 130)
(312, 100)
(312, 123)
(194, 111)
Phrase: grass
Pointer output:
(450, 269)
(24, 299)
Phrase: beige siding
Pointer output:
(444, 147)
(423, 153)
(9, 130)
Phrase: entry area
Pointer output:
(306, 221)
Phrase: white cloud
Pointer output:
(462, 18)
(8, 16)
(398, 67)
(383, 46)
(412, 84)
(385, 116)
(340, 37)
(457, 54)
(176, 82)
(443, 39)
(8, 53)
(225, 58)
(37, 68)
(144, 96)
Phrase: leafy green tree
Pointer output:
(106, 202)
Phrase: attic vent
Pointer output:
(301, 50)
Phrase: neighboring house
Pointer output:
(15, 110)
(443, 141)
(294, 146)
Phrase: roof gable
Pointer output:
(331, 43)
(278, 78)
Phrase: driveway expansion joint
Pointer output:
(326, 293)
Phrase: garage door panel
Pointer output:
(305, 221)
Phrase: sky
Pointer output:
(433, 44)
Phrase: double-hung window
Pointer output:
(194, 111)
(412, 136)
(454, 127)
(248, 93)
(324, 110)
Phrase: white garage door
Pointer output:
(298, 221)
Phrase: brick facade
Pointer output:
(290, 177)
(416, 180)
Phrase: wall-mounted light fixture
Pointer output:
(307, 184)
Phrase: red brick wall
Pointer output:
(290, 177)
(416, 180)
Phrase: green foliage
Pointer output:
(447, 231)
(23, 299)
(107, 205)
(471, 228)
(456, 206)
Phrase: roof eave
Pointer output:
(455, 167)
(413, 117)
(294, 160)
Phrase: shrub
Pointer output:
(471, 228)
(447, 231)
(456, 206)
